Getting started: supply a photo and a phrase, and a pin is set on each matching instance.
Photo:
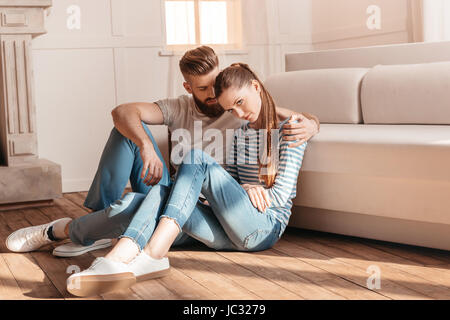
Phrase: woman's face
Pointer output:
(244, 103)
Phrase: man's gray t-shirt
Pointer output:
(191, 129)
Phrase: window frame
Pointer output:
(234, 27)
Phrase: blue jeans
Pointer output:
(219, 226)
(242, 227)
(120, 162)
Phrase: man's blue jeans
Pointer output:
(229, 223)
(120, 162)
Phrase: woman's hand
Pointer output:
(258, 196)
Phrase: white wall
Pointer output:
(342, 24)
(81, 75)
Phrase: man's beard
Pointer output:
(212, 111)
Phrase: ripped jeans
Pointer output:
(230, 222)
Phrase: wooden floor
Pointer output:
(302, 265)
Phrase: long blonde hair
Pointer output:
(239, 75)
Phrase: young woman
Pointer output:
(248, 203)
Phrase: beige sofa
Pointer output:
(380, 166)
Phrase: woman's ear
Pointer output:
(256, 85)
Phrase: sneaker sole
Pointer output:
(153, 275)
(87, 286)
(68, 254)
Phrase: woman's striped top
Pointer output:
(242, 164)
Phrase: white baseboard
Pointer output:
(416, 233)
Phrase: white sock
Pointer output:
(58, 228)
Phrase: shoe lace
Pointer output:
(36, 236)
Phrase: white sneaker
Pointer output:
(71, 249)
(30, 238)
(145, 267)
(104, 275)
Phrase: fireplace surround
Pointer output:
(25, 179)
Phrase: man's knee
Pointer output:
(116, 134)
(128, 204)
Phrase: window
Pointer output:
(436, 20)
(191, 23)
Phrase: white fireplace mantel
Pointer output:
(23, 176)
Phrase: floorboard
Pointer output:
(302, 265)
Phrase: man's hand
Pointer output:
(151, 162)
(299, 132)
(128, 120)
(258, 196)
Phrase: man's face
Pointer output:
(202, 89)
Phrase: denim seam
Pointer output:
(190, 188)
(247, 238)
(141, 230)
(134, 229)
(141, 235)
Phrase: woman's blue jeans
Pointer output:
(230, 222)
(242, 226)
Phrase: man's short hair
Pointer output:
(198, 62)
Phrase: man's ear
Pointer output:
(187, 86)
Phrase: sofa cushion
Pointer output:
(330, 94)
(407, 94)
(398, 171)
